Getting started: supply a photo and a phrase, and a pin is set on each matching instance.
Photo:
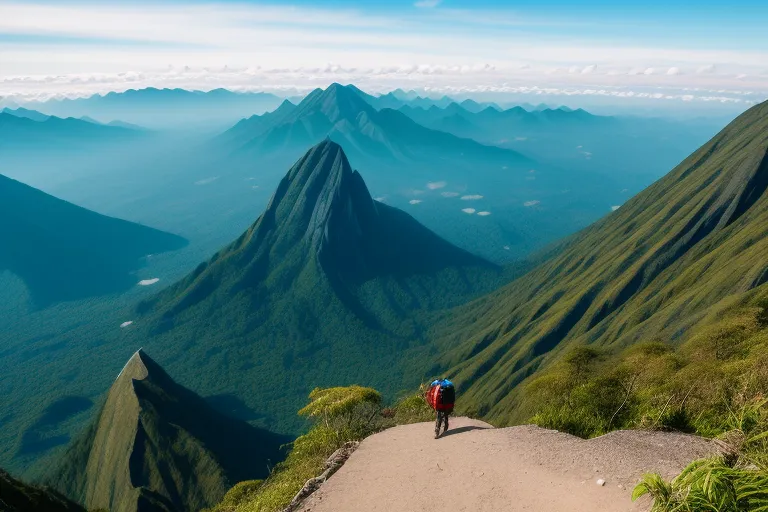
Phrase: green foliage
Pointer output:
(333, 402)
(711, 384)
(341, 414)
(708, 485)
(413, 408)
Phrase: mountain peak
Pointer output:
(155, 440)
(337, 102)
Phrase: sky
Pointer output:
(672, 51)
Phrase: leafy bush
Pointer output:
(341, 414)
(413, 408)
(708, 485)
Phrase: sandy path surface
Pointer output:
(475, 467)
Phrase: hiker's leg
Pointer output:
(445, 415)
(437, 424)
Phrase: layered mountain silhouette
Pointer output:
(157, 446)
(686, 247)
(23, 112)
(65, 252)
(17, 496)
(343, 114)
(163, 108)
(327, 284)
(26, 130)
(571, 139)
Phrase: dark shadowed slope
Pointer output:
(64, 252)
(692, 243)
(16, 496)
(157, 446)
(328, 285)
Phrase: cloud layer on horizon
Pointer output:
(77, 49)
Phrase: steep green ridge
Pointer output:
(327, 287)
(156, 445)
(672, 257)
(17, 496)
(64, 252)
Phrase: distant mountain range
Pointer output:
(344, 114)
(571, 139)
(30, 130)
(328, 284)
(669, 259)
(64, 252)
(163, 108)
(157, 446)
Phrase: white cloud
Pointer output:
(147, 282)
(614, 208)
(469, 210)
(449, 194)
(471, 197)
(239, 45)
(531, 203)
(649, 71)
(673, 71)
(206, 181)
(434, 185)
(415, 201)
(705, 70)
(483, 214)
(126, 324)
(380, 199)
(427, 3)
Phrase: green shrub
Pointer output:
(413, 409)
(708, 485)
(341, 414)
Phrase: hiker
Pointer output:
(441, 396)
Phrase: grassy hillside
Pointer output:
(673, 257)
(327, 287)
(64, 252)
(155, 440)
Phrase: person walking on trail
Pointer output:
(441, 396)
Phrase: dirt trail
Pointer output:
(477, 468)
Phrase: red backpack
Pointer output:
(441, 395)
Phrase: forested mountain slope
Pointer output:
(692, 243)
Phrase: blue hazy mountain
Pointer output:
(344, 114)
(572, 138)
(18, 133)
(164, 108)
(64, 252)
(23, 112)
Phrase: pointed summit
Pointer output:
(379, 137)
(326, 280)
(152, 444)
